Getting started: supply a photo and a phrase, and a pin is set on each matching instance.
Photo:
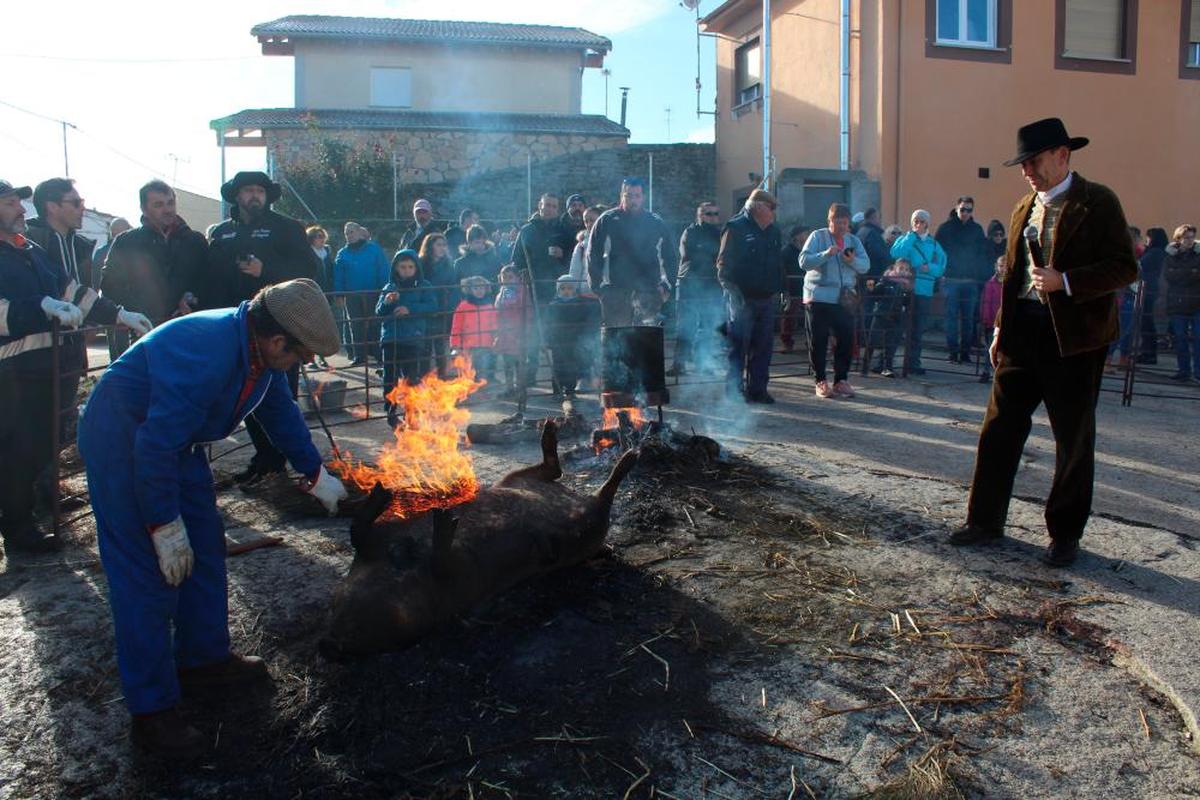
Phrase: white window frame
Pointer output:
(378, 90)
(960, 40)
(752, 92)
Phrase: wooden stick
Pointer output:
(640, 779)
(1145, 723)
(666, 666)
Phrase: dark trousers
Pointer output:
(822, 319)
(402, 359)
(624, 306)
(364, 329)
(962, 316)
(701, 309)
(885, 322)
(1032, 372)
(922, 307)
(267, 457)
(751, 335)
(791, 321)
(1149, 342)
(26, 414)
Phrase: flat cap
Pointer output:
(300, 307)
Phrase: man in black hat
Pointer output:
(1069, 252)
(255, 248)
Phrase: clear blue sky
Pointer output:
(141, 81)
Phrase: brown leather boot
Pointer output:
(166, 734)
(233, 671)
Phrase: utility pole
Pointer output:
(66, 160)
(175, 159)
(766, 107)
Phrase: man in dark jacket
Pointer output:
(544, 248)
(968, 268)
(156, 268)
(749, 269)
(255, 248)
(456, 235)
(697, 291)
(631, 256)
(572, 218)
(116, 227)
(36, 292)
(1057, 319)
(870, 233)
(59, 215)
(422, 225)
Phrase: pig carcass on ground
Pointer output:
(397, 591)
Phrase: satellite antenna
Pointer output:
(689, 4)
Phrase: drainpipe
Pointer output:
(766, 81)
(844, 92)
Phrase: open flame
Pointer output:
(423, 466)
(612, 429)
(636, 418)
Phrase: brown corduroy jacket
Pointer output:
(1093, 248)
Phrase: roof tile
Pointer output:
(560, 124)
(307, 26)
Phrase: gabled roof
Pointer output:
(309, 26)
(334, 119)
(716, 20)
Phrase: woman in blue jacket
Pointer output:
(928, 261)
(832, 260)
(142, 435)
(361, 267)
(407, 305)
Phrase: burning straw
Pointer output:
(423, 467)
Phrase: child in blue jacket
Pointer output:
(406, 302)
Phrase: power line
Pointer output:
(80, 60)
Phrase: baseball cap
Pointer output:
(422, 205)
(23, 192)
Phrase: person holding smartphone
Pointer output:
(832, 260)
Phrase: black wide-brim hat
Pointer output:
(231, 188)
(1045, 134)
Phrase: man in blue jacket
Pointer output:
(361, 268)
(160, 536)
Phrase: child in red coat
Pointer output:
(473, 328)
(989, 307)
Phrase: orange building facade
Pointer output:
(937, 90)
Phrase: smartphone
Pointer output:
(849, 251)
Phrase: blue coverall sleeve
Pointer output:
(284, 423)
(185, 382)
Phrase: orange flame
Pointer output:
(423, 467)
(636, 418)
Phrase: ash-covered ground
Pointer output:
(783, 621)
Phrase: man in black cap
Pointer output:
(572, 218)
(255, 248)
(1057, 318)
(36, 292)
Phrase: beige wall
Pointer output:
(444, 77)
(924, 126)
(197, 210)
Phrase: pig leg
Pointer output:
(369, 544)
(549, 470)
(608, 491)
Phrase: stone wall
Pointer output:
(494, 172)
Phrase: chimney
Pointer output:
(624, 103)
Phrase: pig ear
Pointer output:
(551, 469)
(368, 543)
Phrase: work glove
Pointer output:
(138, 323)
(68, 314)
(174, 551)
(326, 488)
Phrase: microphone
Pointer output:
(1033, 242)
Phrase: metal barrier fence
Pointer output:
(348, 393)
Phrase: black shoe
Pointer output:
(254, 473)
(167, 734)
(1061, 553)
(916, 370)
(972, 534)
(952, 358)
(31, 539)
(1182, 377)
(233, 671)
(760, 397)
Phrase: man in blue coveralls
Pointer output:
(161, 539)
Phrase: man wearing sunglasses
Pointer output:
(191, 381)
(968, 268)
(59, 215)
